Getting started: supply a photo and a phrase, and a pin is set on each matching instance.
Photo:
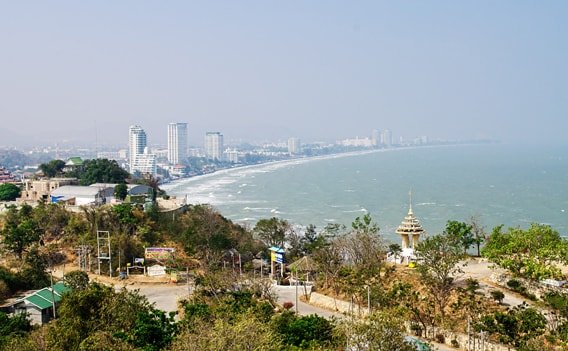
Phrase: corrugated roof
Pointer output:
(48, 295)
(61, 288)
(44, 298)
(75, 190)
(38, 301)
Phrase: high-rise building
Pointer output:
(214, 145)
(293, 145)
(376, 137)
(386, 138)
(177, 142)
(136, 144)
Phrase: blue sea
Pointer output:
(500, 184)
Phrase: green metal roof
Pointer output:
(75, 161)
(60, 288)
(44, 298)
(38, 301)
(48, 295)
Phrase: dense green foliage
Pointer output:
(532, 253)
(273, 231)
(120, 191)
(12, 327)
(233, 312)
(516, 326)
(20, 230)
(100, 170)
(440, 257)
(98, 312)
(9, 192)
(52, 168)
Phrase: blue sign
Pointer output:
(279, 257)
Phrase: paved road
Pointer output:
(481, 270)
(288, 294)
(164, 296)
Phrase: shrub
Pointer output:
(287, 305)
(440, 338)
(497, 295)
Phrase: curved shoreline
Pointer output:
(283, 163)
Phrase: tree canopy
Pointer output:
(9, 192)
(99, 170)
(52, 168)
(532, 253)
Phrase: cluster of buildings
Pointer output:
(141, 160)
(67, 191)
(7, 177)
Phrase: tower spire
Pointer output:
(410, 202)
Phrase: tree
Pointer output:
(461, 233)
(479, 235)
(52, 168)
(304, 331)
(34, 269)
(396, 250)
(515, 327)
(312, 240)
(9, 192)
(120, 191)
(153, 330)
(497, 295)
(273, 231)
(100, 170)
(20, 230)
(12, 327)
(244, 332)
(76, 280)
(381, 331)
(98, 308)
(532, 253)
(439, 257)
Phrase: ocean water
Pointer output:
(501, 184)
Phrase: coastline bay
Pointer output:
(502, 184)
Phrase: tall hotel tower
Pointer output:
(177, 142)
(214, 145)
(136, 145)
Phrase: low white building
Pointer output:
(82, 195)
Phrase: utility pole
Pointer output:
(296, 295)
(52, 293)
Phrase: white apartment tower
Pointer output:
(293, 145)
(386, 138)
(214, 145)
(375, 137)
(177, 142)
(136, 144)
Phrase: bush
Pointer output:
(416, 329)
(440, 338)
(514, 284)
(287, 305)
(455, 343)
(497, 295)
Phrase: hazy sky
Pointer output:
(319, 70)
